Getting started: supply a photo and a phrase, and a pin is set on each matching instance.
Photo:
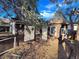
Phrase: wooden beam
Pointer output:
(6, 39)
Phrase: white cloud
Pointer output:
(46, 11)
(46, 14)
(60, 5)
(49, 6)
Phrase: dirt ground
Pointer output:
(34, 50)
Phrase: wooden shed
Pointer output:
(56, 25)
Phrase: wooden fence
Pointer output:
(7, 43)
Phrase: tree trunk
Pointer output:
(71, 23)
(35, 34)
(78, 33)
(71, 49)
(77, 44)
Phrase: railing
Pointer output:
(4, 39)
(71, 50)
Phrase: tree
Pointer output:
(70, 13)
(29, 14)
(24, 9)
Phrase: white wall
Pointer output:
(28, 36)
(44, 33)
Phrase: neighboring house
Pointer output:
(4, 26)
(56, 26)
(59, 26)
(75, 26)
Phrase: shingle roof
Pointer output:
(58, 18)
(4, 20)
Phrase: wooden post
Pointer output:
(35, 34)
(15, 42)
(13, 32)
(64, 33)
(10, 29)
(25, 33)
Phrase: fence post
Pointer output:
(13, 32)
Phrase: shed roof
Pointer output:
(57, 18)
(5, 20)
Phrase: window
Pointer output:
(52, 30)
(4, 29)
(62, 30)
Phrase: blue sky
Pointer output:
(8, 13)
(47, 9)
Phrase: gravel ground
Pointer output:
(34, 50)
